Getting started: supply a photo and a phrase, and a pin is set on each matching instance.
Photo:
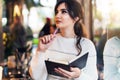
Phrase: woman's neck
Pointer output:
(68, 34)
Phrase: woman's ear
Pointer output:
(76, 19)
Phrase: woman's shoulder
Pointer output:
(86, 41)
(88, 46)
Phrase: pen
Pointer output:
(56, 30)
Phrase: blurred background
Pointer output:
(101, 18)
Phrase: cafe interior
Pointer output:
(101, 19)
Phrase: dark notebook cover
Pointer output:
(79, 62)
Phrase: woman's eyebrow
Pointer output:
(64, 10)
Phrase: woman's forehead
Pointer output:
(62, 6)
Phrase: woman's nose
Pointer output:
(58, 15)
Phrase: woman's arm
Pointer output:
(37, 67)
(90, 71)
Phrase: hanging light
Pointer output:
(16, 11)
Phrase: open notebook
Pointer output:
(79, 62)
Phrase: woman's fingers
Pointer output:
(74, 73)
(46, 39)
(45, 42)
(63, 72)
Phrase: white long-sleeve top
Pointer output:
(112, 59)
(64, 49)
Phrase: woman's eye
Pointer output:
(64, 11)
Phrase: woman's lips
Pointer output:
(57, 22)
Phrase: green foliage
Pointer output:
(35, 41)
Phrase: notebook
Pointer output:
(79, 62)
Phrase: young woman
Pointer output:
(65, 46)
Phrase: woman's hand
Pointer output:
(45, 42)
(75, 72)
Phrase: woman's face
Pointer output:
(62, 17)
